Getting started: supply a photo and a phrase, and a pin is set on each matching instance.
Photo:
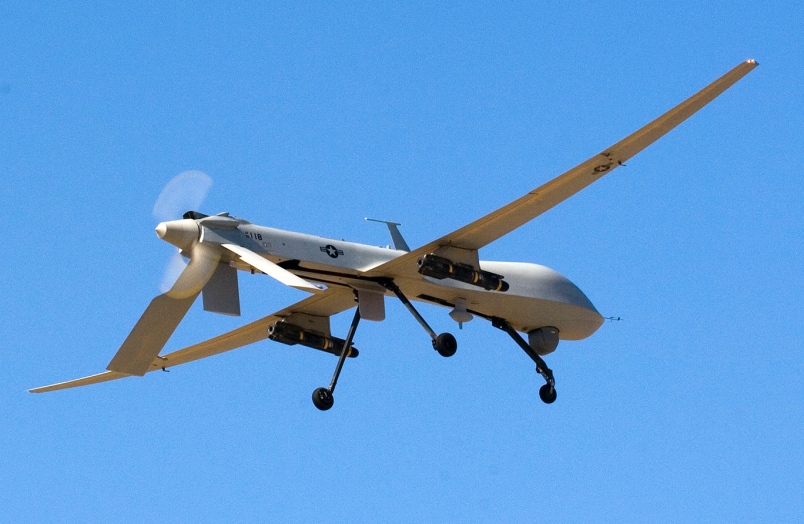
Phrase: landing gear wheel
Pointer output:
(445, 344)
(322, 398)
(547, 393)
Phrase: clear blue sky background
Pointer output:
(311, 117)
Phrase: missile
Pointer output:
(290, 334)
(441, 268)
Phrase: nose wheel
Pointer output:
(547, 393)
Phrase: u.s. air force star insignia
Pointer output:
(332, 251)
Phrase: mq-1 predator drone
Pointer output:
(515, 297)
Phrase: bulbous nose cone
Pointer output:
(180, 233)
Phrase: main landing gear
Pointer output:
(547, 392)
(445, 344)
(322, 397)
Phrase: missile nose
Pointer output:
(180, 233)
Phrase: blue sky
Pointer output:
(311, 117)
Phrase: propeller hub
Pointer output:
(180, 233)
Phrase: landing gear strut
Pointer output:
(547, 392)
(322, 397)
(445, 343)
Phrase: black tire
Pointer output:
(547, 394)
(322, 398)
(445, 344)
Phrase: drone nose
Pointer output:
(180, 233)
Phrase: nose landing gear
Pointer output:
(547, 392)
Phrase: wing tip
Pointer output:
(84, 381)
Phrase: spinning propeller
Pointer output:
(181, 284)
(186, 190)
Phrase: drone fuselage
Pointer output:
(538, 296)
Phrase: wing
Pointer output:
(504, 220)
(324, 304)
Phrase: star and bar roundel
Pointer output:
(331, 250)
